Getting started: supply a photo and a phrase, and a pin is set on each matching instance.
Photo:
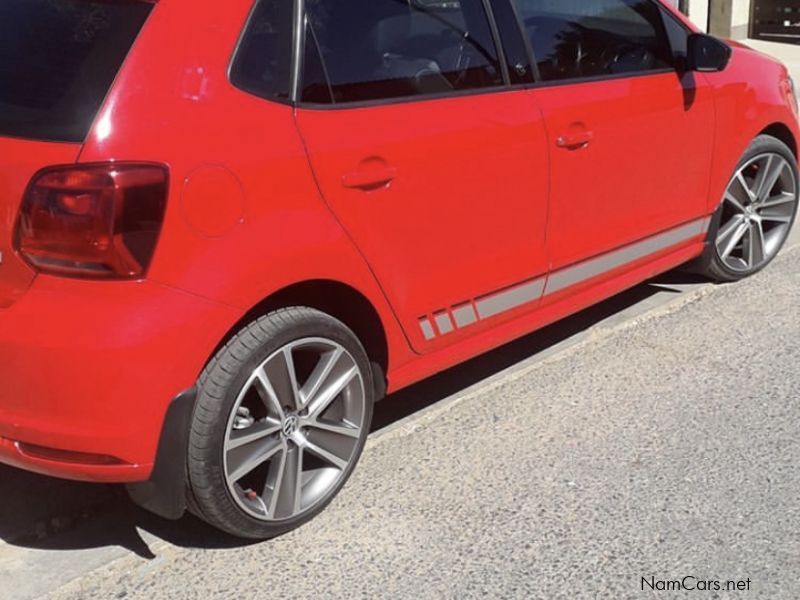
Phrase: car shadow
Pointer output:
(47, 514)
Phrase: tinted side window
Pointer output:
(383, 49)
(263, 63)
(58, 60)
(591, 38)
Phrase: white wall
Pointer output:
(740, 19)
(698, 13)
(738, 11)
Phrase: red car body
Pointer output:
(489, 228)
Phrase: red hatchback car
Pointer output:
(227, 229)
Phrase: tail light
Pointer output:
(95, 221)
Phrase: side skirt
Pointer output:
(572, 295)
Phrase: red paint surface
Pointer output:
(213, 201)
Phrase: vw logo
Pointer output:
(289, 426)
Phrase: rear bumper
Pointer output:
(88, 370)
(13, 454)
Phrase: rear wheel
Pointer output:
(756, 214)
(282, 416)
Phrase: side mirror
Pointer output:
(707, 54)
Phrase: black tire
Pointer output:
(218, 388)
(711, 264)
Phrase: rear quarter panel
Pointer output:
(173, 103)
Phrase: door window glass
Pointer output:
(384, 49)
(593, 38)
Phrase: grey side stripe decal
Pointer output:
(510, 299)
(465, 315)
(608, 262)
(443, 323)
(498, 303)
(427, 329)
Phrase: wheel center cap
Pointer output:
(290, 425)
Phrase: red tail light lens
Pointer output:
(96, 221)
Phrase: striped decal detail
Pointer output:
(490, 306)
(531, 291)
(443, 323)
(565, 278)
(465, 315)
(427, 329)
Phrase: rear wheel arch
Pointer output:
(337, 299)
(166, 493)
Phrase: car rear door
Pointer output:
(631, 132)
(436, 169)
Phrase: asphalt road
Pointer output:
(657, 435)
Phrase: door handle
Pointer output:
(370, 178)
(573, 141)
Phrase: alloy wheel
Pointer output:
(757, 213)
(294, 430)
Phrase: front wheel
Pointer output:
(282, 416)
(756, 214)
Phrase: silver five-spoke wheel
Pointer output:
(294, 429)
(757, 213)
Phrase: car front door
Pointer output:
(631, 133)
(435, 168)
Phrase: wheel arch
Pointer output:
(339, 300)
(782, 132)
(165, 493)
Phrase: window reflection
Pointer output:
(579, 39)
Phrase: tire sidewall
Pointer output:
(314, 325)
